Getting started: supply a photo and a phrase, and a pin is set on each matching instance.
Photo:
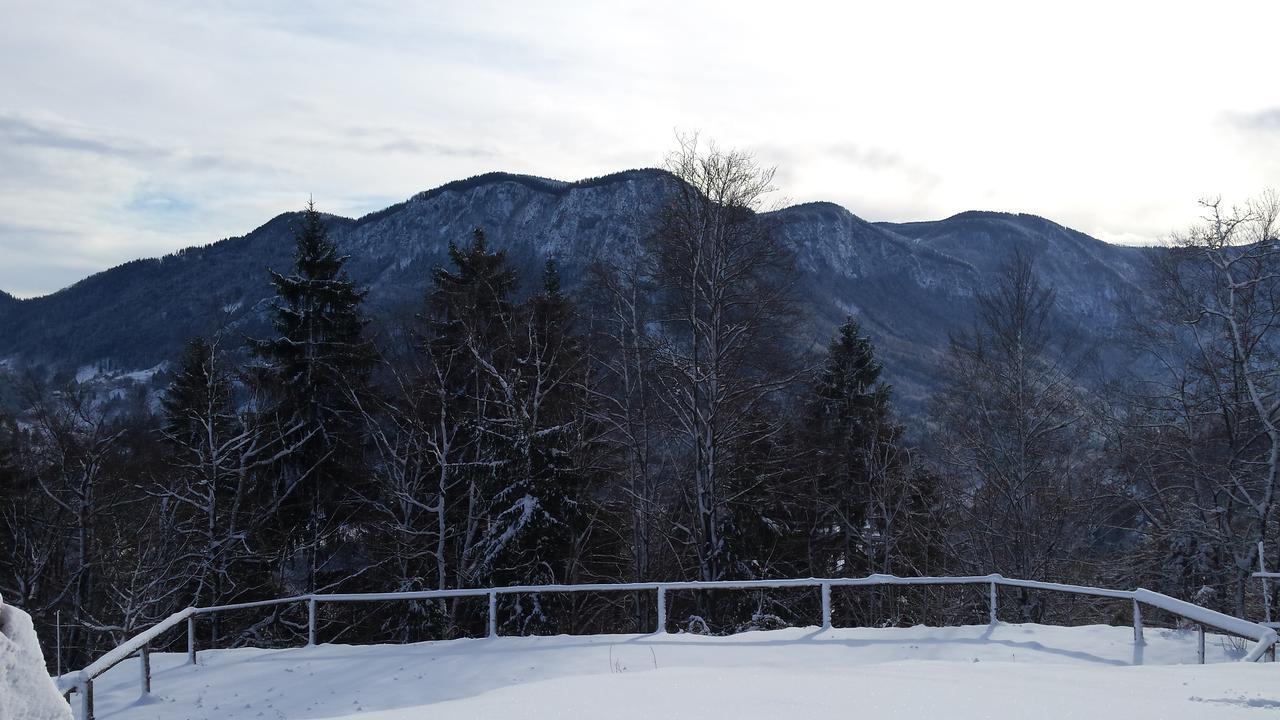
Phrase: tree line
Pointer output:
(664, 423)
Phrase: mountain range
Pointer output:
(910, 284)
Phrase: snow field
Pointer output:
(969, 672)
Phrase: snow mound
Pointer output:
(26, 691)
(1001, 671)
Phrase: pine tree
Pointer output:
(216, 454)
(847, 420)
(472, 304)
(536, 509)
(316, 367)
(199, 395)
(513, 375)
(471, 328)
(197, 423)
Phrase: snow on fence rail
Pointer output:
(1265, 638)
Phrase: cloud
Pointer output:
(159, 203)
(879, 159)
(1267, 119)
(135, 128)
(396, 140)
(31, 261)
(20, 131)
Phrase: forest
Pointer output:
(662, 423)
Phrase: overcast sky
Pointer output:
(130, 129)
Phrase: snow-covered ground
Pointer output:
(1006, 671)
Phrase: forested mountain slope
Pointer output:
(911, 284)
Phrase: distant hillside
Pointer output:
(912, 284)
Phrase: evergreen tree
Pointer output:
(216, 454)
(471, 324)
(198, 401)
(317, 366)
(536, 508)
(197, 421)
(514, 385)
(472, 303)
(847, 420)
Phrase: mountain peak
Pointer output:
(822, 209)
(536, 183)
(986, 215)
(986, 222)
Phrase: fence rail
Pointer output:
(1265, 638)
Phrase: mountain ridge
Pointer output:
(911, 283)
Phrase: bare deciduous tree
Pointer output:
(1015, 433)
(724, 280)
(1203, 433)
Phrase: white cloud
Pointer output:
(132, 129)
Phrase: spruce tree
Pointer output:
(472, 303)
(207, 446)
(536, 507)
(847, 417)
(316, 365)
(472, 317)
(515, 375)
(198, 401)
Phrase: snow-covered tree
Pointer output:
(1201, 440)
(1015, 431)
(318, 356)
(218, 453)
(724, 282)
(623, 398)
(539, 415)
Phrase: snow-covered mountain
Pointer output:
(911, 284)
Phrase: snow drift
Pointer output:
(26, 691)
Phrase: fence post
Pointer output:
(191, 639)
(86, 699)
(1266, 582)
(1200, 642)
(826, 606)
(991, 602)
(1137, 624)
(144, 663)
(662, 610)
(311, 621)
(493, 614)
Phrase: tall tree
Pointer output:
(1202, 434)
(318, 356)
(472, 314)
(621, 385)
(1016, 433)
(724, 278)
(847, 436)
(540, 416)
(217, 455)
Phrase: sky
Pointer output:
(132, 129)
